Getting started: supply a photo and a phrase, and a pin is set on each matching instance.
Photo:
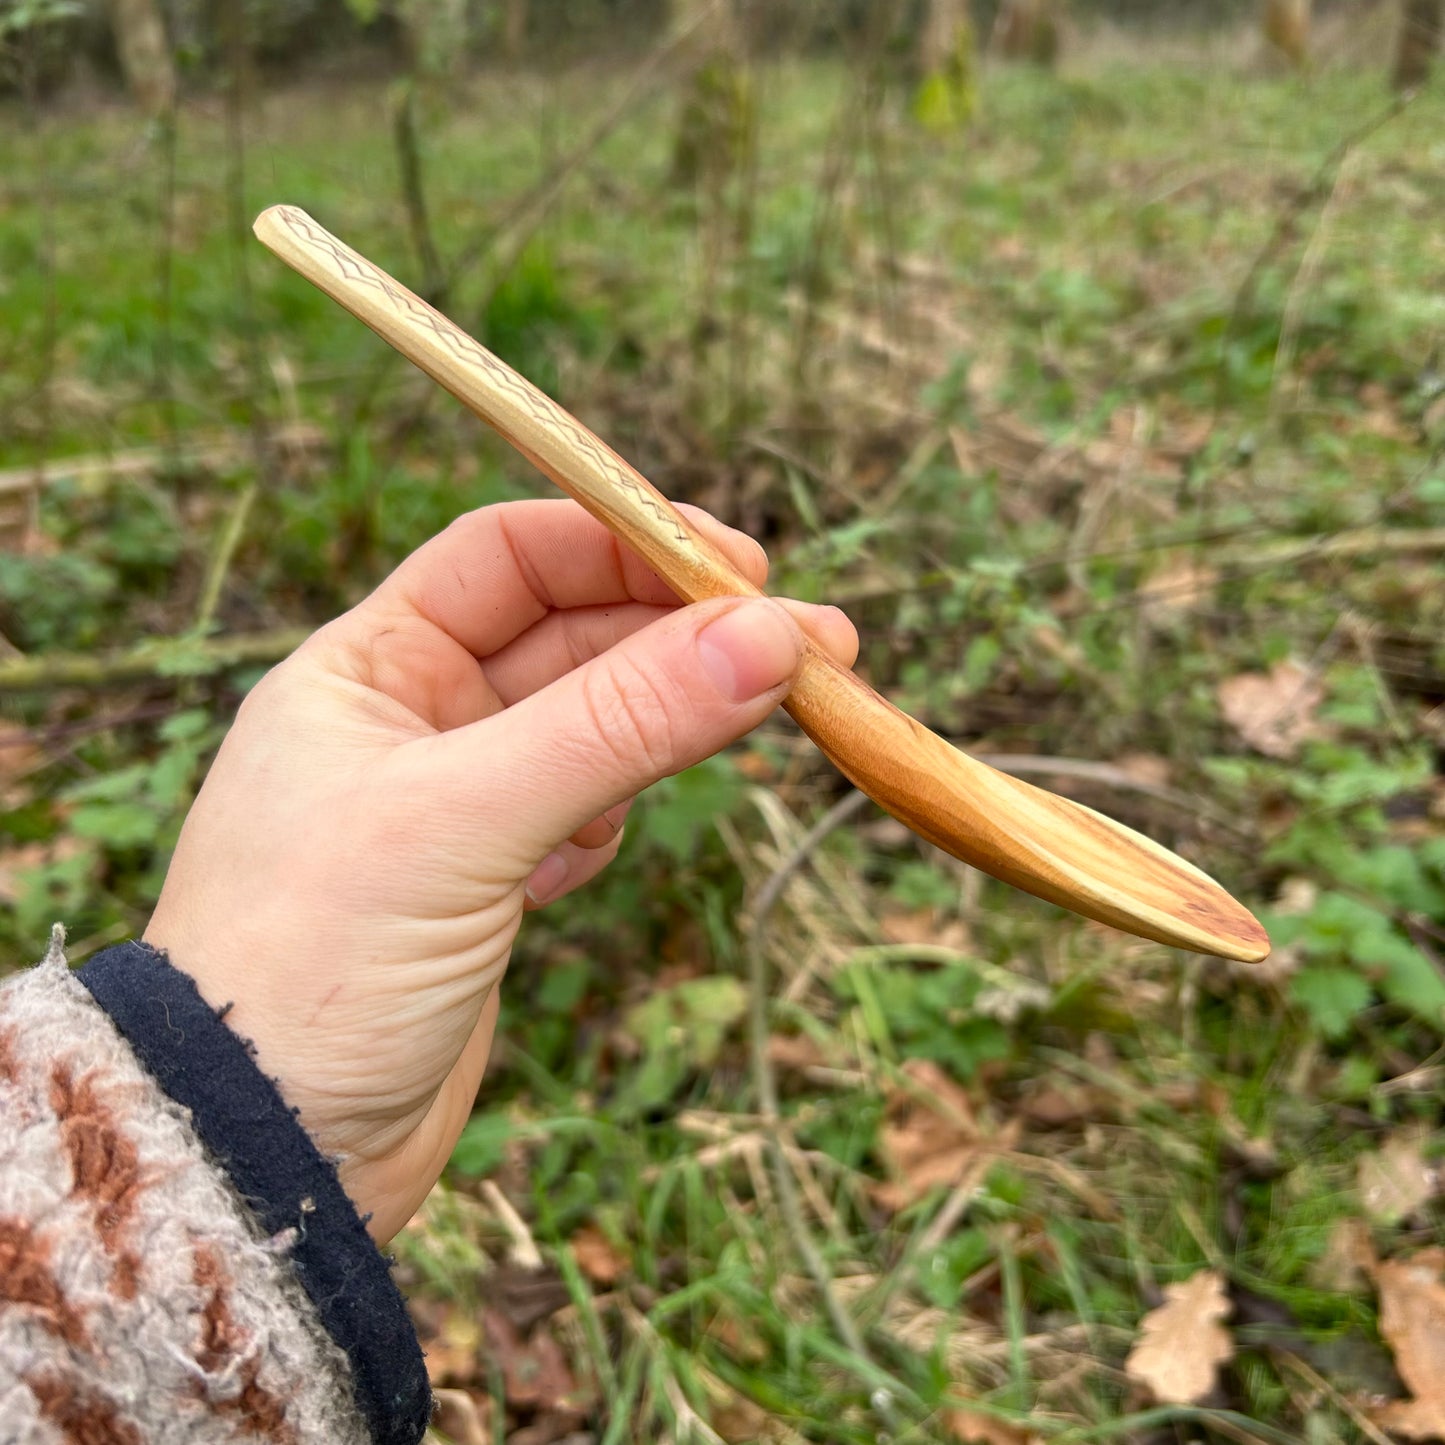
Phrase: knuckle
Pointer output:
(632, 715)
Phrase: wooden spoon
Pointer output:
(1035, 840)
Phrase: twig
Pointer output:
(533, 206)
(221, 557)
(96, 467)
(927, 1240)
(168, 658)
(1321, 184)
(1316, 1381)
(413, 194)
(525, 1254)
(236, 41)
(1302, 285)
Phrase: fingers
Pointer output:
(601, 831)
(496, 571)
(564, 640)
(566, 868)
(659, 701)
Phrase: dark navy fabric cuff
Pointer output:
(273, 1164)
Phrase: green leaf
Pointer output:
(680, 1030)
(1405, 975)
(117, 825)
(563, 985)
(678, 810)
(980, 660)
(1331, 996)
(483, 1144)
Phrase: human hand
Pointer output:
(460, 746)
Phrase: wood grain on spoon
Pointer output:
(1033, 839)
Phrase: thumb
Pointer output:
(661, 700)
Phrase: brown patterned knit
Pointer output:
(138, 1304)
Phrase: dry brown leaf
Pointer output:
(738, 1337)
(902, 926)
(1412, 1320)
(1396, 1182)
(738, 1420)
(535, 1369)
(1147, 768)
(1182, 1343)
(1348, 1261)
(20, 756)
(453, 1351)
(1273, 712)
(1053, 1106)
(929, 1135)
(795, 1051)
(597, 1257)
(973, 1428)
(1178, 588)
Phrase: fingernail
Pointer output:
(750, 650)
(547, 877)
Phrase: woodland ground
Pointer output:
(1115, 420)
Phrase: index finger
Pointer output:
(496, 571)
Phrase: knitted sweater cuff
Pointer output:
(271, 1162)
(145, 1296)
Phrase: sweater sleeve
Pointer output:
(149, 1294)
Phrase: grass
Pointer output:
(1081, 411)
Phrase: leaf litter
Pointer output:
(1183, 1343)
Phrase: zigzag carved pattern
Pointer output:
(539, 407)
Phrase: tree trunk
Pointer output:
(514, 28)
(1027, 30)
(1421, 29)
(947, 91)
(714, 119)
(938, 37)
(1287, 28)
(436, 32)
(145, 54)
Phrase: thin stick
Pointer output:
(1037, 841)
(170, 659)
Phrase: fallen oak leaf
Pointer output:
(972, 1427)
(1182, 1343)
(1395, 1182)
(597, 1257)
(929, 1135)
(1412, 1322)
(1273, 712)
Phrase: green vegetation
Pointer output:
(1085, 413)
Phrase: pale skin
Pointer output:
(459, 748)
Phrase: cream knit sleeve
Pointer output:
(140, 1299)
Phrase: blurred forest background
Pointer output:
(1091, 358)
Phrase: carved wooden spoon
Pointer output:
(1035, 840)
